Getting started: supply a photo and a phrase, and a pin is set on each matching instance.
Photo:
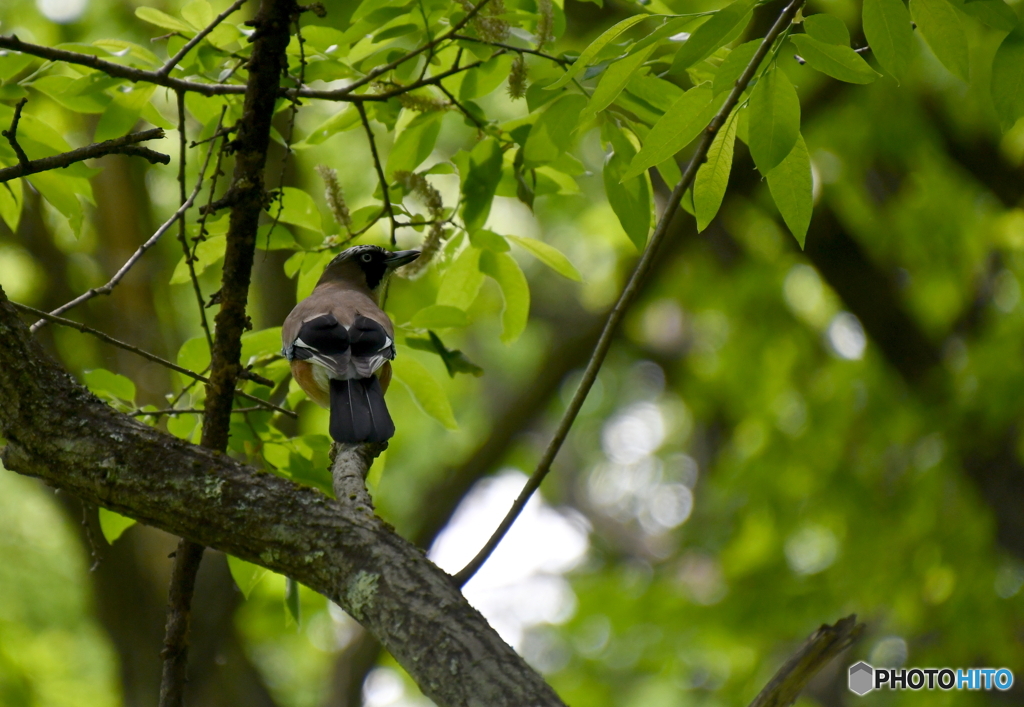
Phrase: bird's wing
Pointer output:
(325, 341)
(370, 344)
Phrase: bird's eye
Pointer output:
(367, 257)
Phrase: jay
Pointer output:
(340, 343)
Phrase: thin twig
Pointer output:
(189, 411)
(12, 134)
(119, 145)
(429, 46)
(140, 352)
(189, 256)
(300, 79)
(165, 70)
(627, 297)
(380, 171)
(130, 263)
(520, 50)
(822, 646)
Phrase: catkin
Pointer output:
(335, 197)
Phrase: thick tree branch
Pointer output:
(61, 433)
(266, 66)
(629, 294)
(124, 145)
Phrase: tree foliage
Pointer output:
(811, 410)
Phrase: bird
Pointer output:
(340, 343)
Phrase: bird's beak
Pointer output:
(401, 257)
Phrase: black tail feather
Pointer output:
(358, 412)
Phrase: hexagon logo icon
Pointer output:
(861, 678)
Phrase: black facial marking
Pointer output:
(370, 259)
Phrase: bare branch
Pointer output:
(118, 71)
(145, 354)
(388, 208)
(165, 70)
(628, 296)
(822, 646)
(189, 411)
(520, 50)
(12, 134)
(130, 263)
(189, 256)
(124, 145)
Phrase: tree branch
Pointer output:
(822, 646)
(118, 71)
(266, 66)
(380, 171)
(130, 263)
(628, 296)
(58, 431)
(144, 354)
(124, 145)
(165, 70)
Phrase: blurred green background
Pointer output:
(778, 438)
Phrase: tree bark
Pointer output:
(58, 431)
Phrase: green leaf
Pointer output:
(13, 63)
(488, 240)
(550, 256)
(439, 316)
(687, 117)
(11, 201)
(480, 182)
(462, 280)
(733, 66)
(774, 120)
(827, 28)
(942, 29)
(194, 355)
(551, 135)
(506, 272)
(454, 360)
(246, 574)
(630, 199)
(118, 47)
(198, 13)
(887, 27)
(113, 525)
(59, 191)
(291, 601)
(1008, 79)
(833, 60)
(791, 186)
(123, 112)
(613, 80)
(415, 143)
(994, 13)
(711, 35)
(109, 385)
(345, 119)
(485, 78)
(713, 176)
(594, 48)
(208, 252)
(259, 344)
(299, 209)
(162, 19)
(425, 390)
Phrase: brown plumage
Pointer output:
(339, 343)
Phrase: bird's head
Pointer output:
(366, 266)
